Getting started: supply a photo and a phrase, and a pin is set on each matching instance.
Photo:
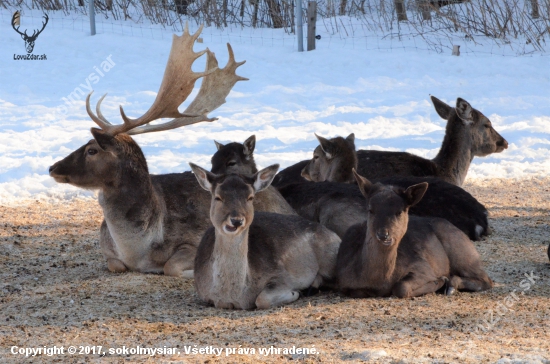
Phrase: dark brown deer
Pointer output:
(468, 133)
(394, 254)
(239, 158)
(249, 259)
(152, 224)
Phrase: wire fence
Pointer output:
(502, 27)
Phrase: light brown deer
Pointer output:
(152, 224)
(261, 260)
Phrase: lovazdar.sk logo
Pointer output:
(29, 39)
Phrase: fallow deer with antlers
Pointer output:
(152, 223)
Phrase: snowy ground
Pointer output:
(381, 96)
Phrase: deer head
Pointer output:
(388, 209)
(232, 209)
(483, 138)
(29, 40)
(332, 160)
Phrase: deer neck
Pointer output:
(379, 262)
(455, 156)
(230, 265)
(133, 210)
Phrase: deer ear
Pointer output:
(442, 109)
(363, 183)
(103, 139)
(464, 111)
(249, 145)
(204, 177)
(351, 138)
(263, 178)
(414, 193)
(218, 145)
(326, 146)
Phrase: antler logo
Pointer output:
(29, 40)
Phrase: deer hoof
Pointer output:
(450, 291)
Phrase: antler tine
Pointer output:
(216, 87)
(99, 120)
(98, 110)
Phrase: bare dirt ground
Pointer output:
(55, 290)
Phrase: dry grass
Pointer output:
(55, 290)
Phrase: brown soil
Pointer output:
(55, 290)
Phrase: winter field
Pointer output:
(55, 289)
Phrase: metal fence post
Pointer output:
(299, 27)
(92, 17)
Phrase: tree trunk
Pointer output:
(275, 13)
(534, 9)
(400, 10)
(342, 10)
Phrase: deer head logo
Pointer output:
(29, 40)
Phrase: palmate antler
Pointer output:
(177, 84)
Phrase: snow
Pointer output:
(342, 87)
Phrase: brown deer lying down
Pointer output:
(468, 133)
(339, 206)
(239, 158)
(391, 253)
(261, 260)
(152, 224)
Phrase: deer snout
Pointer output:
(384, 237)
(237, 221)
(502, 144)
(233, 224)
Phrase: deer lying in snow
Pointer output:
(468, 133)
(152, 223)
(239, 158)
(261, 260)
(392, 253)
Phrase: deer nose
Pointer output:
(236, 222)
(382, 235)
(503, 143)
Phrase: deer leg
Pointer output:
(414, 285)
(275, 297)
(116, 266)
(180, 264)
(469, 284)
(108, 249)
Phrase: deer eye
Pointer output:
(92, 151)
(371, 211)
(231, 164)
(217, 198)
(315, 157)
(251, 198)
(487, 125)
